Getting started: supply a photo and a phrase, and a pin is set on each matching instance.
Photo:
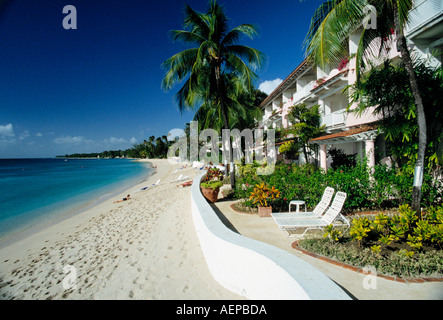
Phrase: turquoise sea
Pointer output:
(35, 192)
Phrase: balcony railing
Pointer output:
(423, 11)
(303, 92)
(334, 119)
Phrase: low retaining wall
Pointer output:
(254, 269)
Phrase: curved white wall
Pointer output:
(252, 268)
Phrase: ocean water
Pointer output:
(35, 192)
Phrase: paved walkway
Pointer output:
(359, 286)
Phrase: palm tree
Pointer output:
(340, 17)
(204, 66)
(243, 110)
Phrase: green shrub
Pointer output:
(212, 184)
(341, 159)
(387, 188)
(396, 263)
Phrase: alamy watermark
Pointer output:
(70, 280)
(370, 19)
(370, 281)
(202, 150)
(70, 21)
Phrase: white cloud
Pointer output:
(270, 85)
(114, 140)
(72, 140)
(7, 134)
(133, 140)
(39, 134)
(25, 134)
(120, 143)
(7, 130)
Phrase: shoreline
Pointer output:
(143, 248)
(53, 218)
(98, 204)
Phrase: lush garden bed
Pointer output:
(393, 239)
(387, 188)
(397, 245)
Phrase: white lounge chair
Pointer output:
(150, 186)
(178, 179)
(330, 217)
(156, 184)
(318, 210)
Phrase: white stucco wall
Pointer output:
(252, 268)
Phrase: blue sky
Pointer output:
(98, 87)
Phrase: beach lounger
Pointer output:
(180, 178)
(332, 216)
(318, 210)
(156, 184)
(150, 186)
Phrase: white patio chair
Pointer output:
(319, 209)
(331, 216)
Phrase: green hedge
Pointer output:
(386, 188)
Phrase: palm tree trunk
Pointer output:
(224, 112)
(421, 120)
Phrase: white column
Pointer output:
(323, 157)
(370, 152)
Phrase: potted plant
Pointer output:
(213, 174)
(210, 189)
(262, 194)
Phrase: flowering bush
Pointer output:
(344, 62)
(319, 82)
(213, 174)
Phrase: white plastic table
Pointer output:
(297, 203)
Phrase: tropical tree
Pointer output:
(216, 53)
(387, 88)
(243, 110)
(326, 42)
(306, 126)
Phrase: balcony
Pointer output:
(334, 119)
(423, 13)
(304, 93)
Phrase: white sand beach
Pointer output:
(143, 248)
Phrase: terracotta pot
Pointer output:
(210, 194)
(264, 211)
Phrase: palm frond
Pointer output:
(254, 57)
(330, 26)
(236, 65)
(233, 36)
(178, 67)
(186, 36)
